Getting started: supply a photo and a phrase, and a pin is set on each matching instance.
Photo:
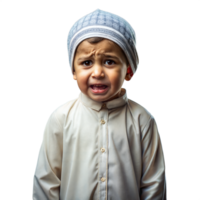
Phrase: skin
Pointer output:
(101, 63)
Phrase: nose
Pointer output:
(98, 72)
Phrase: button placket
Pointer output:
(103, 116)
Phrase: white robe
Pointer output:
(96, 151)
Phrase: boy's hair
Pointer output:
(94, 40)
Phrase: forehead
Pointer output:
(104, 46)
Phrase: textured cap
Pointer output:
(106, 25)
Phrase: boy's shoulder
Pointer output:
(60, 113)
(139, 114)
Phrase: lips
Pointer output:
(97, 90)
(98, 87)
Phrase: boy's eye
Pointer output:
(88, 61)
(110, 62)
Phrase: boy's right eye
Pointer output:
(87, 63)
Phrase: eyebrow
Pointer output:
(88, 57)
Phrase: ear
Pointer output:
(129, 74)
(128, 77)
(74, 75)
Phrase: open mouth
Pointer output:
(98, 87)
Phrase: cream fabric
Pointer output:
(93, 151)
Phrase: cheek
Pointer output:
(117, 78)
(82, 79)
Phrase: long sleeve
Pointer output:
(47, 178)
(153, 183)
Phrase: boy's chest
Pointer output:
(89, 129)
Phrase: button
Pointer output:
(103, 179)
(104, 105)
(103, 150)
(102, 121)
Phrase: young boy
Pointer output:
(102, 145)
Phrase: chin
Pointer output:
(98, 99)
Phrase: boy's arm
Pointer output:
(153, 183)
(47, 176)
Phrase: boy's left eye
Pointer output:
(111, 61)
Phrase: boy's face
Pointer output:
(100, 69)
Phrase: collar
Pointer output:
(88, 102)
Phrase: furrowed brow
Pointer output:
(84, 58)
(109, 56)
(89, 57)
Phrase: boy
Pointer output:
(101, 145)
